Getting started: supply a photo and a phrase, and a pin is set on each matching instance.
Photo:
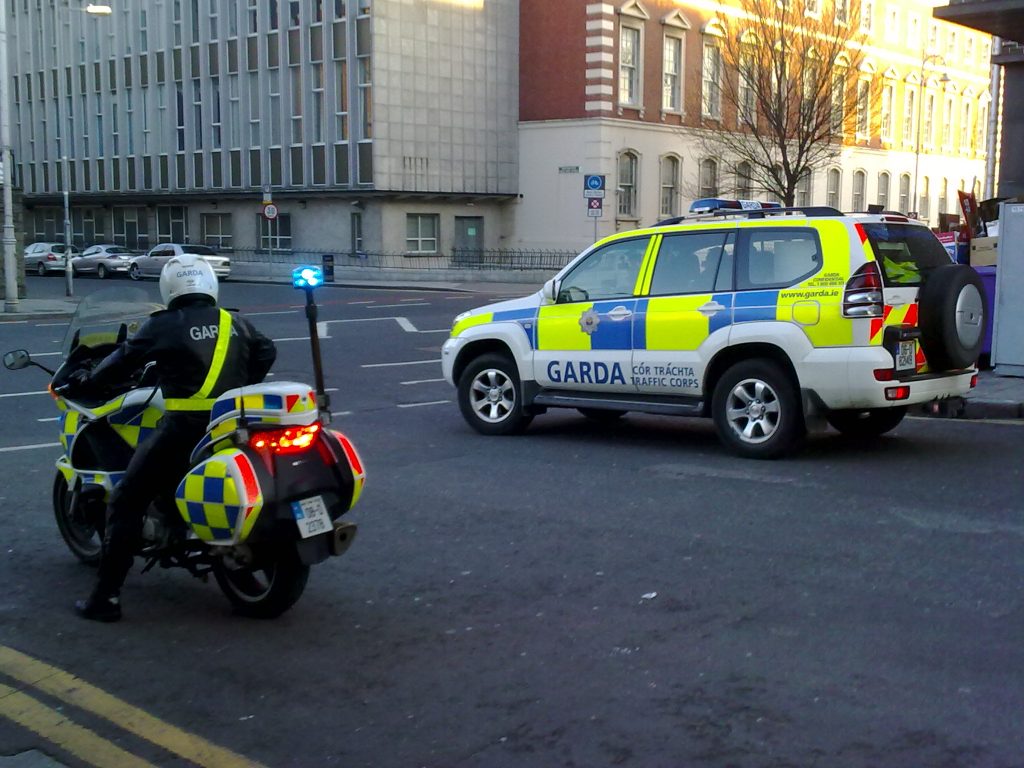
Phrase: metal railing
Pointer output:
(459, 259)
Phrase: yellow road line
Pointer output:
(69, 736)
(79, 693)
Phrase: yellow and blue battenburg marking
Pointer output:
(134, 425)
(106, 480)
(220, 499)
(69, 424)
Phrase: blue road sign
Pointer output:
(593, 181)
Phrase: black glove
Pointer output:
(78, 380)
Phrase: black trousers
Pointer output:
(154, 471)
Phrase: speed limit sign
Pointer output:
(269, 211)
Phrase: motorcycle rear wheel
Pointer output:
(82, 538)
(265, 591)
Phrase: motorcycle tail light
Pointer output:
(285, 440)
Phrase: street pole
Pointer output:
(993, 123)
(7, 235)
(920, 111)
(63, 139)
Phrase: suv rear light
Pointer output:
(884, 374)
(974, 381)
(287, 440)
(897, 393)
(863, 294)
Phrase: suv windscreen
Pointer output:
(906, 253)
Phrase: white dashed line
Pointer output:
(293, 338)
(419, 405)
(408, 362)
(422, 381)
(392, 306)
(46, 325)
(262, 314)
(25, 394)
(371, 301)
(416, 299)
(52, 418)
(45, 354)
(14, 448)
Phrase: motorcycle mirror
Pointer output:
(17, 359)
(307, 277)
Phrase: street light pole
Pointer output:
(920, 111)
(7, 235)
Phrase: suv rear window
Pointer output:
(199, 250)
(906, 253)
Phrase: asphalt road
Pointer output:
(582, 595)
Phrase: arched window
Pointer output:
(803, 189)
(833, 195)
(904, 205)
(708, 178)
(859, 183)
(883, 190)
(627, 184)
(669, 186)
(744, 181)
(943, 195)
(924, 202)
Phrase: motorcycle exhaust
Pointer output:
(342, 537)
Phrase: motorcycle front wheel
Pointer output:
(267, 589)
(83, 538)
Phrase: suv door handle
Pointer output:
(619, 313)
(711, 308)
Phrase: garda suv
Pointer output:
(764, 320)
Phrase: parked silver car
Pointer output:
(151, 263)
(104, 260)
(43, 258)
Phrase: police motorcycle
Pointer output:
(268, 484)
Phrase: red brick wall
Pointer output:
(552, 59)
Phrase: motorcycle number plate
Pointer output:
(311, 516)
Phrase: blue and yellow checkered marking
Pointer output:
(135, 425)
(208, 500)
(250, 402)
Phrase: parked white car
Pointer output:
(105, 260)
(43, 258)
(150, 264)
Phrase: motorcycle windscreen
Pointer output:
(220, 498)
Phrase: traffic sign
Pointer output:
(588, 193)
(595, 207)
(269, 211)
(593, 181)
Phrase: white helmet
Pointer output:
(187, 275)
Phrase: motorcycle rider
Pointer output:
(200, 351)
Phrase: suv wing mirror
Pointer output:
(550, 290)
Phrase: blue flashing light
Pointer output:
(709, 204)
(307, 277)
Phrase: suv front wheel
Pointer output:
(756, 409)
(491, 396)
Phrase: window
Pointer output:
(883, 190)
(197, 111)
(839, 100)
(171, 224)
(929, 120)
(217, 229)
(275, 234)
(867, 16)
(859, 182)
(969, 49)
(627, 184)
(746, 99)
(775, 258)
(708, 178)
(812, 7)
(888, 95)
(965, 126)
(892, 23)
(711, 81)
(744, 181)
(833, 193)
(341, 101)
(669, 186)
(904, 193)
(234, 113)
(356, 220)
(607, 273)
(909, 109)
(842, 8)
(421, 232)
(215, 126)
(951, 42)
(296, 117)
(863, 108)
(943, 195)
(913, 31)
(933, 38)
(981, 141)
(947, 123)
(803, 189)
(629, 66)
(130, 227)
(688, 263)
(671, 81)
(317, 116)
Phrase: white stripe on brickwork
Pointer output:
(600, 25)
(597, 106)
(599, 74)
(600, 9)
(599, 90)
(599, 41)
(599, 57)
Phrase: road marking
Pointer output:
(26, 394)
(370, 301)
(45, 354)
(418, 298)
(403, 322)
(77, 692)
(52, 418)
(48, 325)
(418, 405)
(390, 306)
(281, 312)
(423, 381)
(293, 338)
(55, 727)
(13, 322)
(14, 448)
(392, 365)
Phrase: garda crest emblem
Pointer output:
(589, 321)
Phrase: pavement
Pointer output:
(994, 397)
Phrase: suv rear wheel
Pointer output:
(491, 396)
(870, 423)
(757, 410)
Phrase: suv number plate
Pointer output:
(906, 356)
(311, 516)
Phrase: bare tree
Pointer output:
(781, 88)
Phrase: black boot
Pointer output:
(101, 606)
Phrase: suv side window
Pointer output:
(776, 258)
(688, 263)
(607, 273)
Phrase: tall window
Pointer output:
(965, 126)
(708, 178)
(883, 190)
(317, 116)
(909, 113)
(197, 111)
(863, 108)
(888, 95)
(904, 193)
(929, 120)
(627, 184)
(867, 16)
(669, 185)
(838, 99)
(421, 232)
(859, 182)
(947, 123)
(744, 181)
(943, 195)
(746, 97)
(842, 8)
(803, 189)
(833, 196)
(276, 233)
(980, 143)
(711, 80)
(629, 66)
(671, 81)
(924, 202)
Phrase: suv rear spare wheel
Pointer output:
(952, 317)
(757, 410)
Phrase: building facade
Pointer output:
(375, 125)
(635, 91)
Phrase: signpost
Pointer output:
(593, 193)
(270, 214)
